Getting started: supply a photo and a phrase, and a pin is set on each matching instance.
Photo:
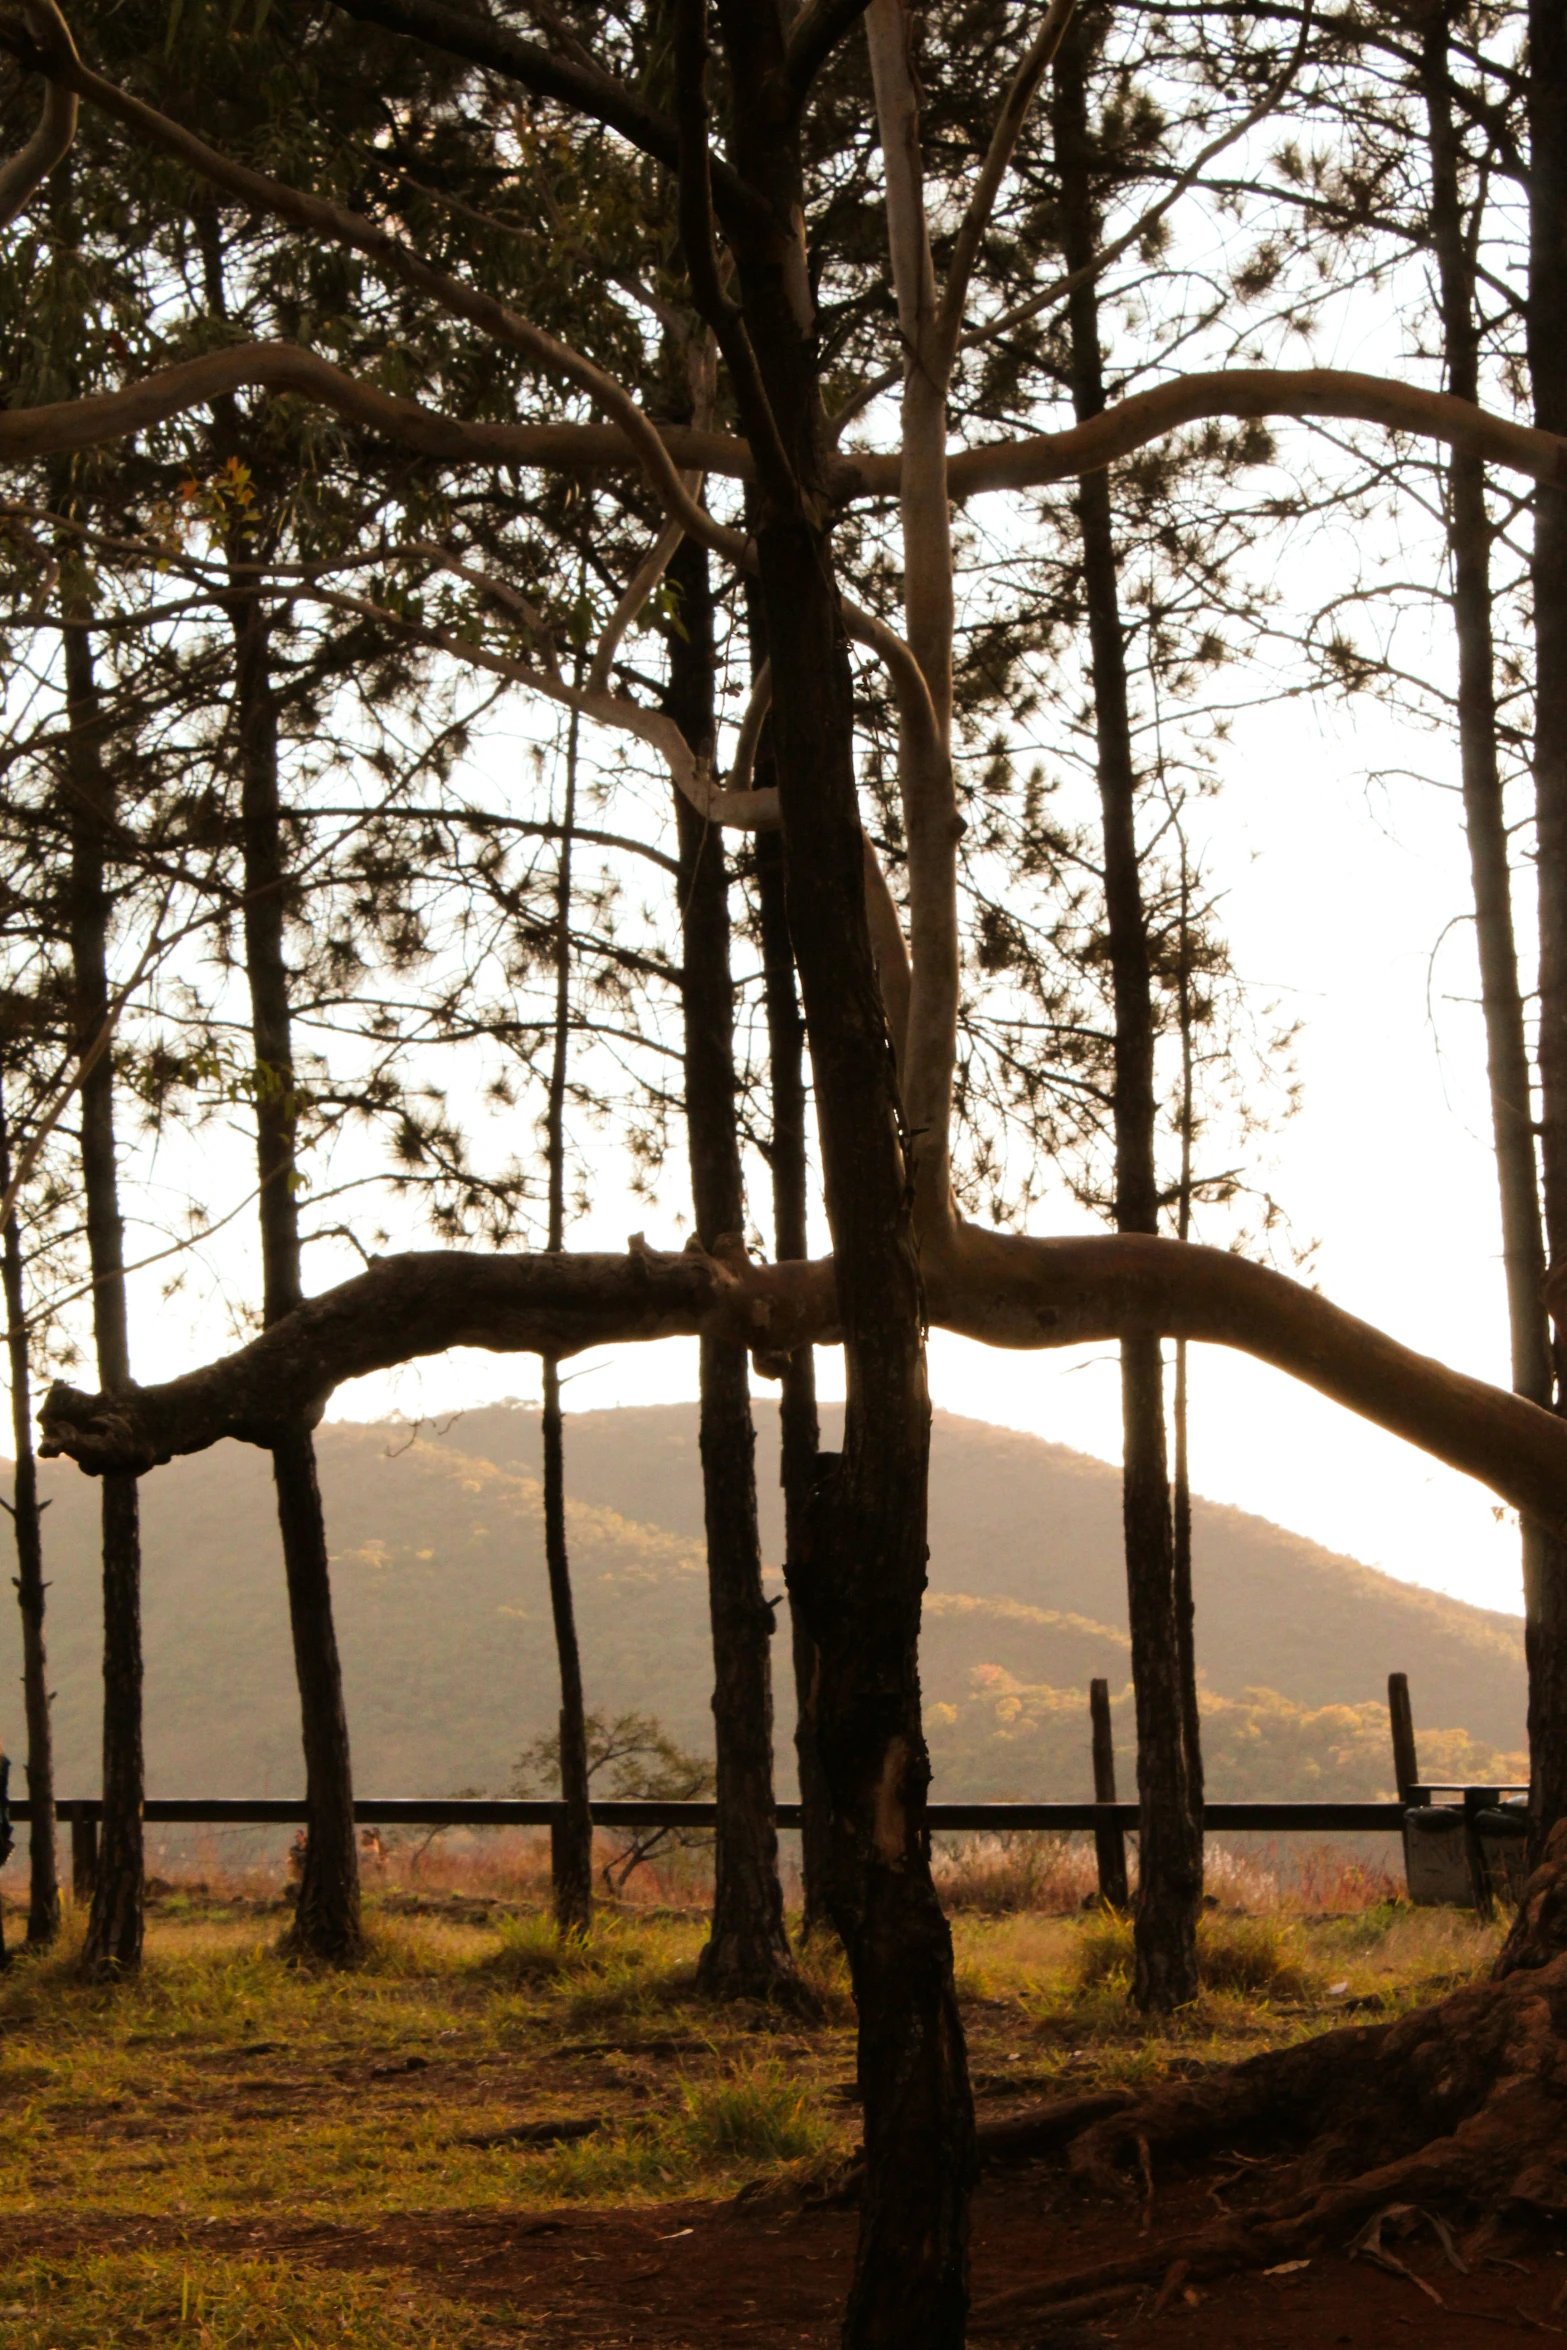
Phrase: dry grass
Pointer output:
(225, 2084)
(115, 2301)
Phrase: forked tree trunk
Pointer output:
(114, 1924)
(747, 1953)
(327, 1925)
(1170, 1834)
(1546, 1627)
(862, 1574)
(571, 1838)
(43, 1892)
(799, 1428)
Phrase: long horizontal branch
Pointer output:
(1030, 463)
(1007, 1291)
(61, 426)
(421, 1303)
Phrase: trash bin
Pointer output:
(1436, 1857)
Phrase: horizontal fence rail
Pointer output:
(396, 1811)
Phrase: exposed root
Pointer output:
(1461, 2106)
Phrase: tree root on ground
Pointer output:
(1461, 2107)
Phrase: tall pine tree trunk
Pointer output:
(1485, 823)
(114, 1926)
(43, 1894)
(799, 1429)
(1170, 1831)
(747, 1953)
(571, 1839)
(327, 1924)
(1546, 1624)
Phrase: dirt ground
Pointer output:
(699, 2275)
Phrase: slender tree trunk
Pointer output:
(1545, 1563)
(43, 1899)
(114, 1925)
(1507, 1050)
(327, 1924)
(571, 1839)
(1181, 1484)
(1170, 1836)
(747, 1954)
(799, 1428)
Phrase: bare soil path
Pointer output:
(699, 2275)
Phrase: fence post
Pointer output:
(1109, 1838)
(1406, 1765)
(84, 1857)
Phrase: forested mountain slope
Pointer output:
(444, 1619)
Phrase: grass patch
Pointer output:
(1261, 1957)
(225, 2082)
(760, 2114)
(117, 2300)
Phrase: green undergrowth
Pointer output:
(114, 2301)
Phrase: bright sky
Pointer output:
(1338, 894)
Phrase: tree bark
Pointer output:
(747, 1953)
(1507, 1050)
(571, 1838)
(327, 1924)
(799, 1428)
(114, 1926)
(862, 1576)
(1546, 1628)
(1170, 1840)
(43, 1892)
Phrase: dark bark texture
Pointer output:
(1170, 1843)
(799, 1428)
(327, 1924)
(1507, 1050)
(862, 1576)
(43, 1880)
(747, 1954)
(571, 1838)
(114, 1925)
(1546, 1630)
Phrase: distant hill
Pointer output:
(1015, 1518)
(444, 1620)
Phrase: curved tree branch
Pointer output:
(56, 54)
(1301, 393)
(24, 172)
(1007, 1291)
